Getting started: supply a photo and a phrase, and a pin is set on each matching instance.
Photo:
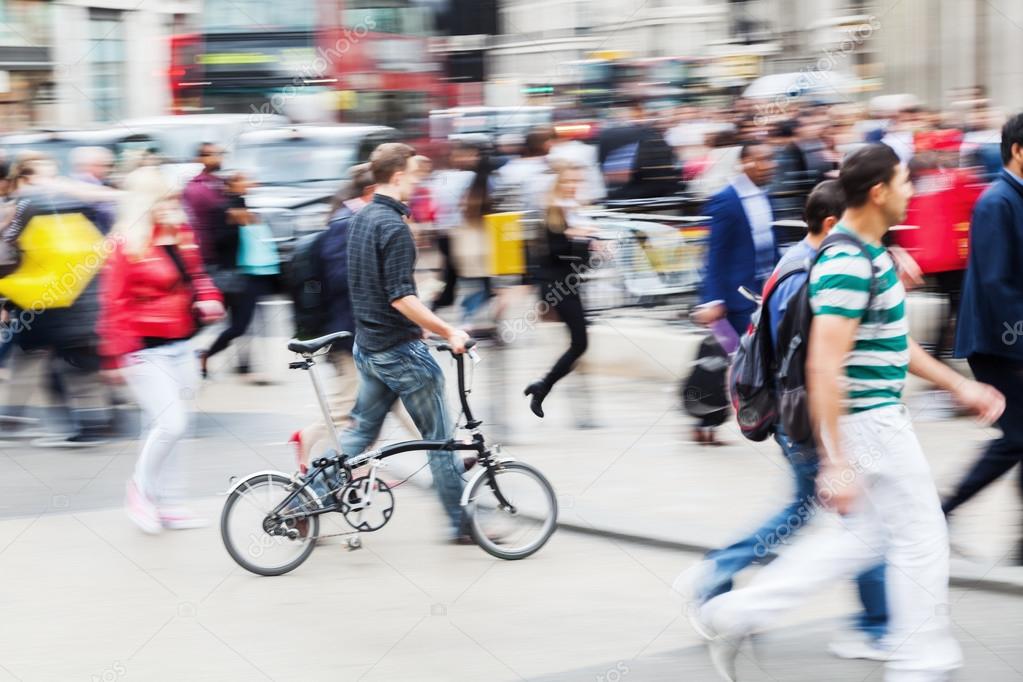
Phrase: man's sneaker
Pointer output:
(723, 653)
(690, 585)
(141, 510)
(858, 645)
(82, 439)
(180, 518)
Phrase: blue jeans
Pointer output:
(782, 526)
(407, 371)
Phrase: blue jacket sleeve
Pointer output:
(717, 250)
(998, 270)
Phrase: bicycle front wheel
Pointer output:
(512, 510)
(257, 540)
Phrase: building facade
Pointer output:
(72, 63)
(930, 48)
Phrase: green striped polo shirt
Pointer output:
(875, 369)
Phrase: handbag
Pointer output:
(257, 253)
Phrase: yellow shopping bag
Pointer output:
(507, 243)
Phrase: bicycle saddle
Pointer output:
(312, 345)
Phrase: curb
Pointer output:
(962, 573)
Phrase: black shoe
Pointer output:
(539, 391)
(203, 357)
(243, 369)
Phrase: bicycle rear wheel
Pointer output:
(263, 545)
(512, 510)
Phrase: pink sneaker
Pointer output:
(180, 518)
(141, 509)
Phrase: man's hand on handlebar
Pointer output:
(457, 340)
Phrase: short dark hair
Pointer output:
(200, 151)
(746, 147)
(825, 201)
(786, 128)
(866, 167)
(388, 159)
(1012, 133)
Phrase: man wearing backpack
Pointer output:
(872, 470)
(714, 576)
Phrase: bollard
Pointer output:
(269, 350)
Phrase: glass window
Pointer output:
(106, 65)
(25, 22)
(382, 17)
(228, 15)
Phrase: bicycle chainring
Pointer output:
(366, 509)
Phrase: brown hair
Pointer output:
(388, 159)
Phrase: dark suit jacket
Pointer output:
(991, 312)
(731, 255)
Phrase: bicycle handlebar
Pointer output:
(445, 347)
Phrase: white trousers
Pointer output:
(897, 518)
(165, 382)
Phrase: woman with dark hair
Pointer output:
(469, 244)
(566, 239)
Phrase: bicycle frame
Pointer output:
(476, 444)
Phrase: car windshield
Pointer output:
(294, 161)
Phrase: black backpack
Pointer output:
(306, 286)
(751, 380)
(793, 335)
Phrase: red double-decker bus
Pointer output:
(365, 61)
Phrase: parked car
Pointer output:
(459, 122)
(299, 168)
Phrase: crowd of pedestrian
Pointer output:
(175, 262)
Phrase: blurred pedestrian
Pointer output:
(470, 246)
(93, 165)
(205, 201)
(990, 327)
(636, 160)
(872, 470)
(241, 289)
(741, 252)
(519, 184)
(390, 320)
(448, 187)
(155, 294)
(333, 254)
(560, 253)
(714, 576)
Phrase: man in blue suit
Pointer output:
(741, 252)
(990, 329)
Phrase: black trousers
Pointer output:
(447, 295)
(1003, 453)
(569, 306)
(242, 308)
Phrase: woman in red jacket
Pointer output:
(154, 290)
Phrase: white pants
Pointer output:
(165, 381)
(898, 518)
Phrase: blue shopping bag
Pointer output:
(257, 252)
